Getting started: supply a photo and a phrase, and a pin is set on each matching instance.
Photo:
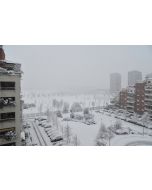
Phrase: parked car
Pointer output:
(56, 139)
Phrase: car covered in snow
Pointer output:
(66, 119)
(42, 123)
(122, 131)
(42, 118)
(48, 125)
(56, 138)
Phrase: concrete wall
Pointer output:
(18, 111)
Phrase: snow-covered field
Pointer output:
(45, 100)
(87, 134)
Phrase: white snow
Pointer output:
(87, 134)
(129, 140)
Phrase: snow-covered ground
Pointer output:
(45, 100)
(87, 134)
(132, 140)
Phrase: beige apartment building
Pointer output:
(10, 102)
(148, 96)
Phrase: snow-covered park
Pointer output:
(85, 133)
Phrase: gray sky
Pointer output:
(60, 67)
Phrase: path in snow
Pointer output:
(131, 140)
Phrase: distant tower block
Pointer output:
(2, 54)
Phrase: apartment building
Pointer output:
(130, 99)
(123, 98)
(148, 96)
(140, 97)
(115, 82)
(134, 77)
(10, 102)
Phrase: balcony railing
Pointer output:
(7, 105)
(7, 88)
(148, 99)
(130, 106)
(130, 102)
(148, 89)
(7, 119)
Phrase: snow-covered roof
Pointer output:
(2, 70)
(9, 67)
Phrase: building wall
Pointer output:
(148, 96)
(17, 109)
(131, 99)
(115, 82)
(123, 98)
(140, 98)
(134, 77)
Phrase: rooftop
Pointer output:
(8, 67)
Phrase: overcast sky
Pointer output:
(60, 67)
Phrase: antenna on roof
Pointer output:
(2, 53)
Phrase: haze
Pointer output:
(56, 68)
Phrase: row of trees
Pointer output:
(105, 134)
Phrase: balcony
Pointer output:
(148, 89)
(148, 93)
(7, 104)
(130, 102)
(130, 106)
(148, 99)
(9, 123)
(5, 93)
(6, 109)
(7, 88)
(6, 141)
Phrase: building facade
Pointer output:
(115, 82)
(123, 98)
(130, 99)
(10, 103)
(134, 77)
(148, 96)
(140, 97)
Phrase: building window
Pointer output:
(7, 85)
(7, 116)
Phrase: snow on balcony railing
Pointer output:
(148, 95)
(130, 102)
(7, 119)
(148, 89)
(130, 106)
(148, 99)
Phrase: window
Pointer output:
(7, 116)
(7, 85)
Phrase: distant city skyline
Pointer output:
(57, 68)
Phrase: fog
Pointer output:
(58, 68)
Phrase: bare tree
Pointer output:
(66, 107)
(145, 118)
(118, 125)
(40, 108)
(75, 141)
(67, 133)
(102, 136)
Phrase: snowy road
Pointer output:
(39, 135)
